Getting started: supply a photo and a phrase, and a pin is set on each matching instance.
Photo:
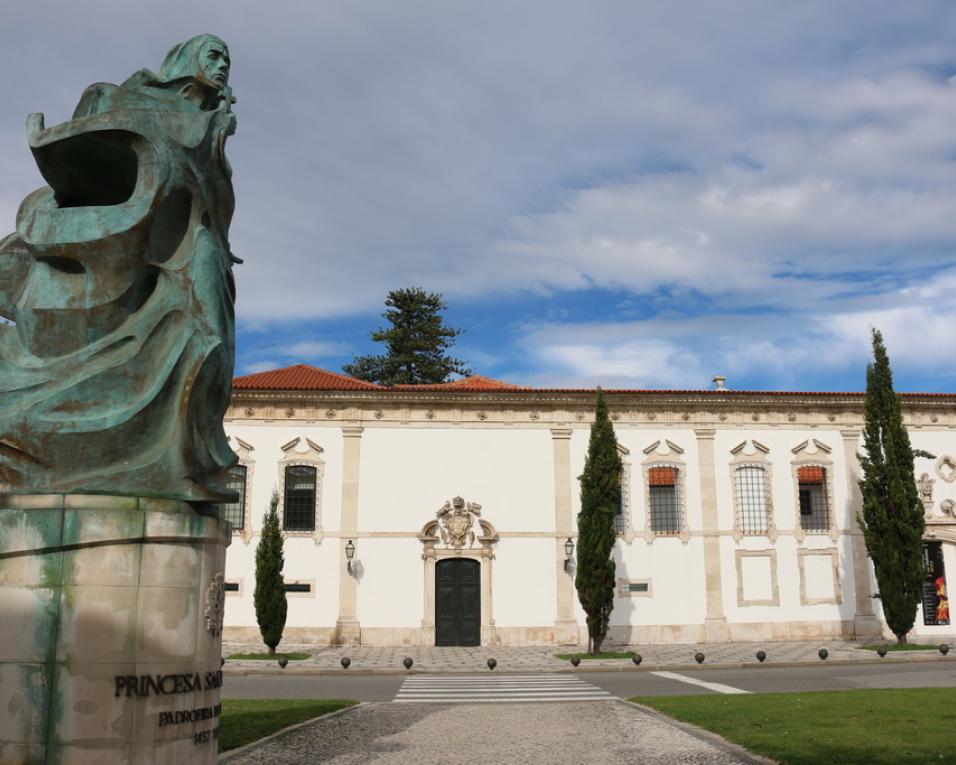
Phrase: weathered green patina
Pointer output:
(116, 369)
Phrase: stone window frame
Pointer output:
(244, 452)
(757, 459)
(624, 521)
(309, 594)
(310, 458)
(770, 553)
(834, 554)
(672, 457)
(624, 590)
(818, 458)
(235, 593)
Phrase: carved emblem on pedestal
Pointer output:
(215, 604)
(456, 520)
(925, 485)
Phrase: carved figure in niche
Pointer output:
(116, 370)
(456, 522)
(925, 486)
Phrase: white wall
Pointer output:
(407, 474)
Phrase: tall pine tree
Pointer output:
(415, 343)
(600, 499)
(892, 517)
(269, 597)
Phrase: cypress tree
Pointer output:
(600, 498)
(892, 517)
(269, 596)
(415, 343)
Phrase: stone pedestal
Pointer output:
(111, 630)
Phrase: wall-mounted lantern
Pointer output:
(349, 554)
(568, 554)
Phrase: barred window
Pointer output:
(299, 500)
(664, 490)
(235, 512)
(812, 490)
(751, 488)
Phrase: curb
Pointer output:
(626, 666)
(704, 735)
(245, 749)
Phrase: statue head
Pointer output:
(205, 57)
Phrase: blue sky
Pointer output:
(615, 193)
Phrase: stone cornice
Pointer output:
(546, 407)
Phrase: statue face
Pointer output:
(214, 63)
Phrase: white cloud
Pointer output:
(768, 165)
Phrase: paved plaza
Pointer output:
(542, 658)
(604, 733)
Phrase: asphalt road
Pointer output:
(762, 679)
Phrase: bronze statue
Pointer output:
(117, 367)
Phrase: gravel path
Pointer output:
(605, 733)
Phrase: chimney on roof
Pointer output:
(720, 382)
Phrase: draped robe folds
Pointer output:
(117, 359)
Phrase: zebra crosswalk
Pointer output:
(484, 689)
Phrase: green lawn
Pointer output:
(599, 655)
(896, 647)
(913, 726)
(267, 657)
(246, 720)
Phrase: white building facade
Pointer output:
(457, 502)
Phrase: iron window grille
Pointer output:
(299, 501)
(812, 492)
(235, 512)
(664, 494)
(752, 505)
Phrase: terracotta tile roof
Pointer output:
(305, 377)
(474, 382)
(301, 377)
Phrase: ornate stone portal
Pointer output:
(453, 534)
(115, 374)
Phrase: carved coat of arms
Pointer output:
(215, 604)
(456, 521)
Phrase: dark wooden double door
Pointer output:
(458, 602)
